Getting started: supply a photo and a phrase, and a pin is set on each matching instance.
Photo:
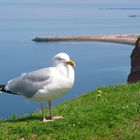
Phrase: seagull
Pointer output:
(45, 84)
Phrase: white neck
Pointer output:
(66, 70)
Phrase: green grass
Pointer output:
(108, 113)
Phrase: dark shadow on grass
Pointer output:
(26, 118)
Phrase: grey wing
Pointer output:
(39, 75)
(28, 84)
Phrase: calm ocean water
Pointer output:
(98, 64)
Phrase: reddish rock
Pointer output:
(134, 75)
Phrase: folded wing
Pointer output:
(29, 83)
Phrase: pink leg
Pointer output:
(42, 110)
(50, 109)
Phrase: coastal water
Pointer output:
(97, 63)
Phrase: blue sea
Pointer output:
(97, 64)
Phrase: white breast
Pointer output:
(60, 83)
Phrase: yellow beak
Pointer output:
(72, 63)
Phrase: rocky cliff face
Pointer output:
(134, 75)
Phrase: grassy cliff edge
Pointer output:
(107, 113)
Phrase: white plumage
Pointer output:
(45, 84)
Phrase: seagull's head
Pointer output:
(63, 58)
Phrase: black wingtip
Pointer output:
(2, 88)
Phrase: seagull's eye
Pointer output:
(60, 59)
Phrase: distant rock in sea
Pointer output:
(120, 8)
(134, 16)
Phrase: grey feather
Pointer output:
(29, 83)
